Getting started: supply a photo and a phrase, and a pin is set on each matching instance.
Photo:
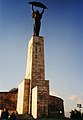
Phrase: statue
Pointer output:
(37, 20)
(37, 16)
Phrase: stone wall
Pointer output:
(56, 106)
(43, 98)
(26, 96)
(8, 100)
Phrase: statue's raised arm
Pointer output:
(32, 12)
(42, 11)
(32, 8)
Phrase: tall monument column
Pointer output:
(35, 70)
(33, 91)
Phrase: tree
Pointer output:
(13, 90)
(75, 114)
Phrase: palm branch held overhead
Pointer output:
(37, 20)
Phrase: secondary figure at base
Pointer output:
(37, 20)
(4, 114)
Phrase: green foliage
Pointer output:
(75, 114)
(13, 90)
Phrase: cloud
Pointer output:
(76, 98)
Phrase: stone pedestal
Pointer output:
(33, 92)
(35, 70)
(40, 99)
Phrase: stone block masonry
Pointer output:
(33, 91)
(34, 77)
(35, 69)
(32, 96)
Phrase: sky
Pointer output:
(62, 29)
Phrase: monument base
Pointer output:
(33, 91)
(40, 99)
(23, 97)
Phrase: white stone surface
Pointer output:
(29, 60)
(34, 102)
(35, 59)
(20, 97)
(0, 112)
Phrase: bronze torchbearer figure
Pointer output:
(37, 20)
(37, 16)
